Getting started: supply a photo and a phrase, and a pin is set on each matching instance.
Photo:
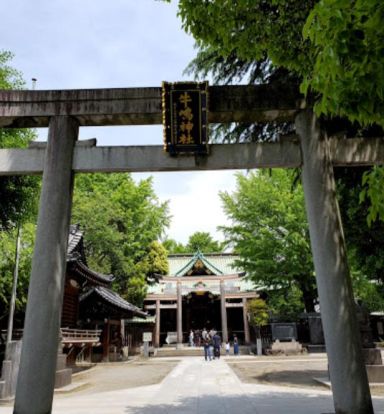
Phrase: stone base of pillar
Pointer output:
(179, 345)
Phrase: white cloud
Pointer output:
(97, 44)
(195, 204)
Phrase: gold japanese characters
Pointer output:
(185, 117)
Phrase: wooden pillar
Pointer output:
(36, 379)
(157, 326)
(224, 323)
(179, 315)
(350, 386)
(106, 340)
(247, 337)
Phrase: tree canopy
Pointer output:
(258, 314)
(122, 221)
(18, 194)
(198, 241)
(333, 49)
(333, 46)
(269, 231)
(7, 265)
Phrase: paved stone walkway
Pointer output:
(199, 387)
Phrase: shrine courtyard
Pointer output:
(246, 384)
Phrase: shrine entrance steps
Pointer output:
(185, 350)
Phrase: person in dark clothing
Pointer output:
(216, 345)
(235, 346)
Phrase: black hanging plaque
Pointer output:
(185, 117)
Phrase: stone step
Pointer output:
(170, 352)
(61, 362)
(375, 373)
(63, 378)
(193, 351)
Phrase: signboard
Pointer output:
(185, 117)
(284, 331)
(147, 336)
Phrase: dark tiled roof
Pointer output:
(113, 299)
(74, 238)
(91, 275)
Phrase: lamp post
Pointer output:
(13, 295)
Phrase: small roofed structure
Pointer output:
(92, 311)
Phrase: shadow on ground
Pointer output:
(258, 403)
(293, 378)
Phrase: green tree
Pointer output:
(199, 240)
(155, 261)
(365, 244)
(204, 242)
(174, 247)
(333, 48)
(18, 194)
(269, 231)
(258, 313)
(285, 305)
(7, 265)
(121, 220)
(346, 40)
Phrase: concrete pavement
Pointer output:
(195, 386)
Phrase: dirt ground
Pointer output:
(116, 376)
(292, 371)
(288, 371)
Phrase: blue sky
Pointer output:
(125, 43)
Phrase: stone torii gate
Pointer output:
(65, 110)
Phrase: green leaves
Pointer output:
(269, 231)
(121, 220)
(199, 240)
(373, 191)
(253, 28)
(347, 43)
(18, 194)
(258, 312)
(7, 265)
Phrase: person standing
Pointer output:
(204, 334)
(235, 346)
(227, 348)
(207, 348)
(216, 345)
(191, 336)
(197, 338)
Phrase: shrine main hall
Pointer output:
(200, 291)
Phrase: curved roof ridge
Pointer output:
(198, 256)
(114, 299)
(92, 275)
(211, 265)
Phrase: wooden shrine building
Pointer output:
(92, 312)
(200, 291)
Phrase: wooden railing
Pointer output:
(17, 334)
(80, 336)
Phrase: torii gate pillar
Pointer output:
(35, 385)
(349, 380)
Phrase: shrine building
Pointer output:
(200, 291)
(92, 313)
